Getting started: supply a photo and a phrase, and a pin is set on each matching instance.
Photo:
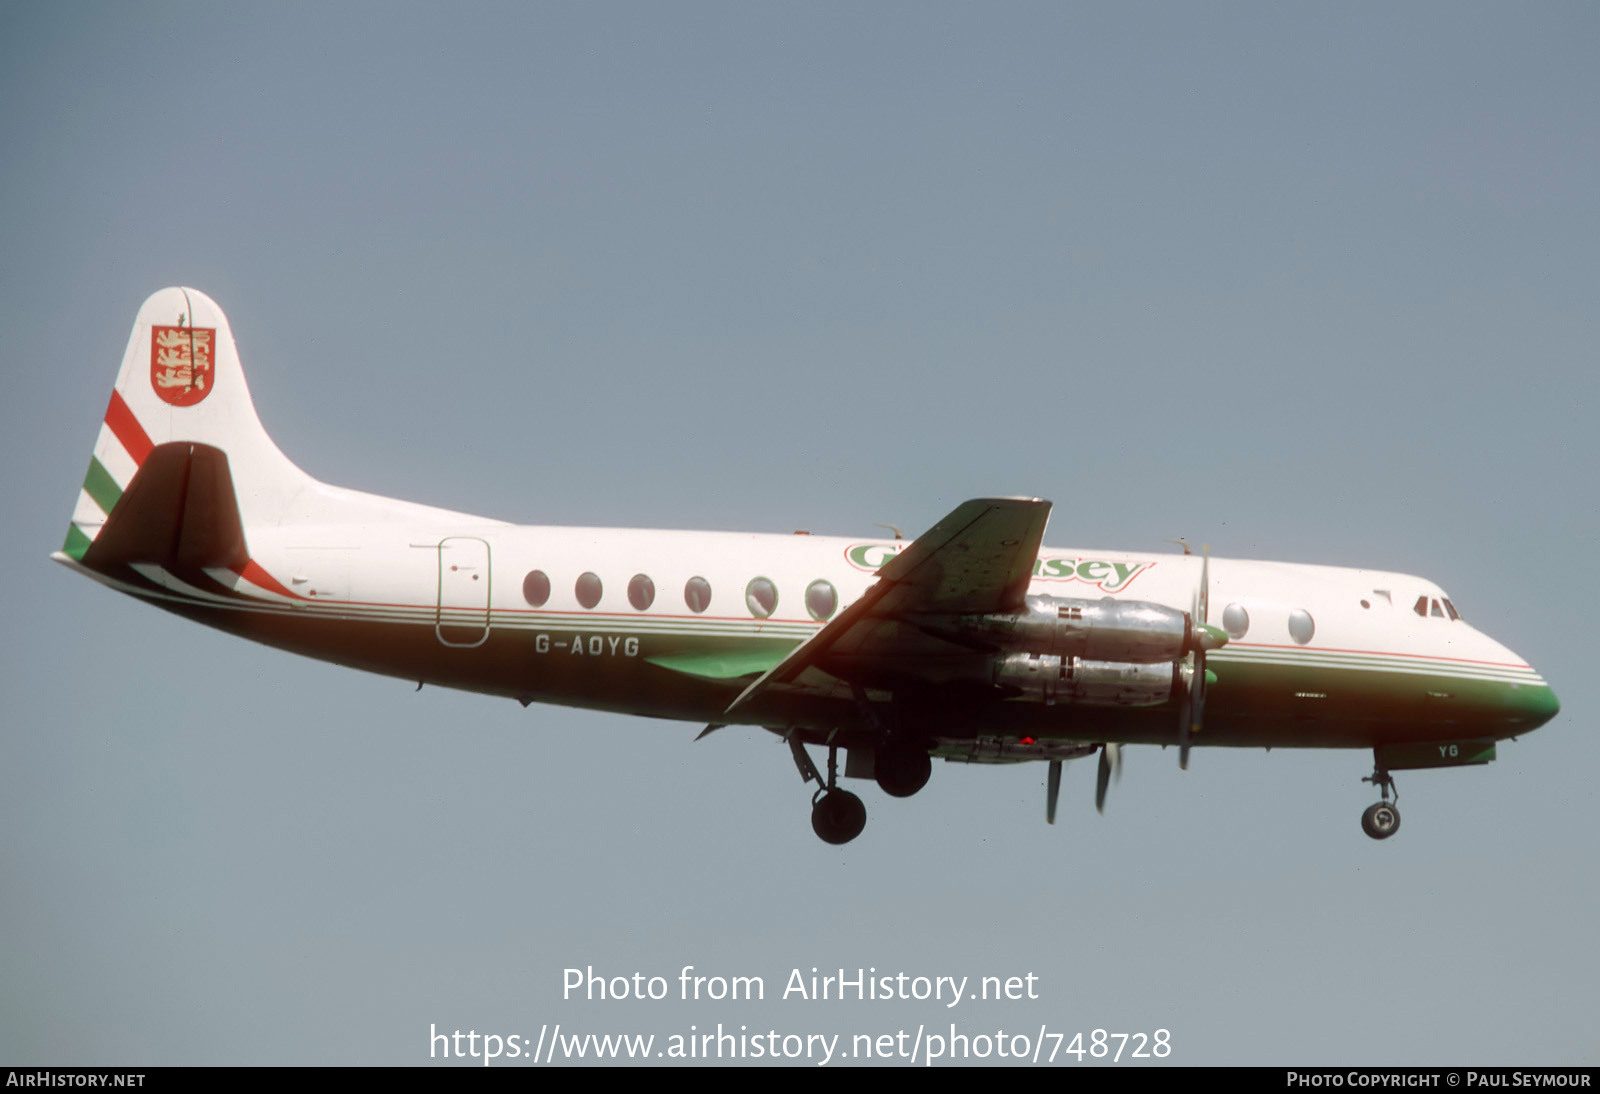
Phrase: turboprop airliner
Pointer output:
(972, 643)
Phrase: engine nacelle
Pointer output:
(1135, 631)
(1051, 679)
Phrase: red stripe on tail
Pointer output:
(127, 428)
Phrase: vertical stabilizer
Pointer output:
(181, 381)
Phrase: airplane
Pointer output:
(971, 643)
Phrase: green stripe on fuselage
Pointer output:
(722, 666)
(1433, 702)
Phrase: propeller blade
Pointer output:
(1053, 793)
(1110, 764)
(1192, 709)
(1195, 707)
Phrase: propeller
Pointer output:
(1206, 637)
(1110, 765)
(1053, 793)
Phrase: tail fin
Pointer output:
(180, 381)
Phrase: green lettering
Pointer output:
(1093, 572)
(1125, 572)
(869, 556)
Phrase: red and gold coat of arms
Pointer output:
(180, 363)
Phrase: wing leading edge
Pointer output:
(977, 559)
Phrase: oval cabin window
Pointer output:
(641, 591)
(697, 594)
(589, 590)
(1301, 626)
(761, 597)
(821, 600)
(536, 588)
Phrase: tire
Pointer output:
(1381, 820)
(901, 772)
(838, 817)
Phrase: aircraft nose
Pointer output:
(1536, 704)
(1526, 701)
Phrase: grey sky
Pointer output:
(1318, 285)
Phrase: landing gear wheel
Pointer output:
(901, 772)
(1381, 820)
(838, 816)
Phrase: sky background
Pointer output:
(1310, 283)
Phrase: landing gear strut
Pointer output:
(1381, 819)
(837, 816)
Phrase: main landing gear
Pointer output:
(837, 816)
(899, 764)
(1381, 819)
(901, 768)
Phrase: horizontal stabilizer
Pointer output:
(179, 511)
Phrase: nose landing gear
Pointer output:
(1381, 819)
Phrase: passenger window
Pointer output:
(1301, 626)
(536, 588)
(761, 597)
(1235, 620)
(821, 600)
(641, 591)
(697, 594)
(589, 590)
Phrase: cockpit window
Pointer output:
(1437, 607)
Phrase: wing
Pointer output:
(978, 559)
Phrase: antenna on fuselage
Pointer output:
(895, 528)
(1181, 542)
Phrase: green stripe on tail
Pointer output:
(100, 486)
(76, 544)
